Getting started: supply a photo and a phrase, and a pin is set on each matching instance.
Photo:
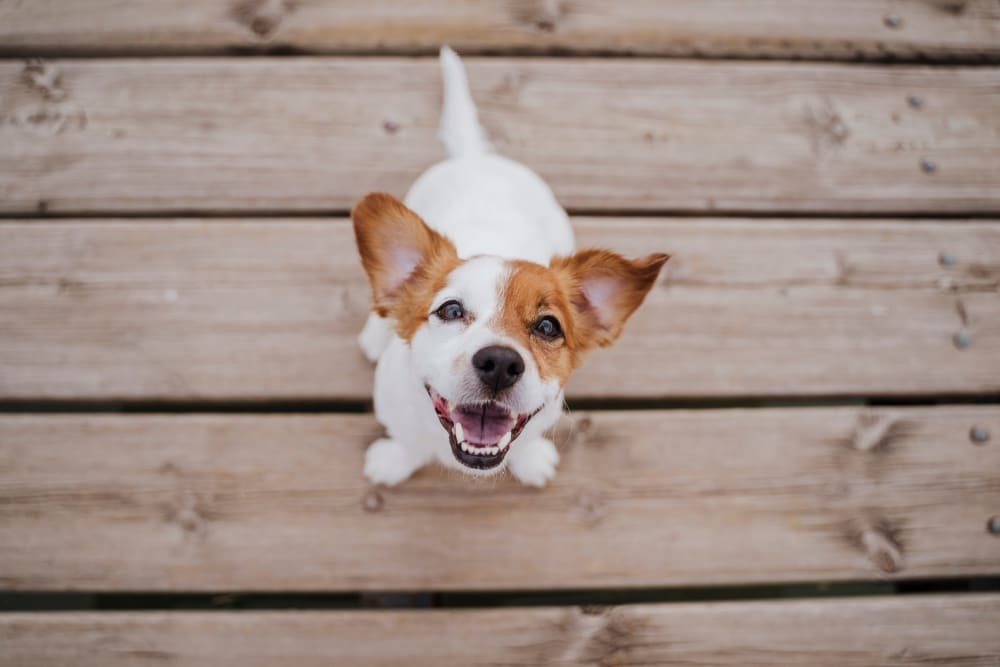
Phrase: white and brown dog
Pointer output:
(481, 308)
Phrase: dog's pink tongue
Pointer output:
(483, 425)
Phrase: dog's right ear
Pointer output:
(398, 249)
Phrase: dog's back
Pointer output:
(485, 203)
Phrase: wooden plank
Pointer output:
(227, 310)
(858, 632)
(841, 29)
(646, 498)
(315, 134)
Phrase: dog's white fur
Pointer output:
(490, 207)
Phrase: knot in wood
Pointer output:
(873, 431)
(44, 78)
(953, 7)
(825, 127)
(49, 119)
(542, 15)
(594, 609)
(188, 519)
(593, 508)
(882, 550)
(262, 17)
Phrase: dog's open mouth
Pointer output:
(480, 433)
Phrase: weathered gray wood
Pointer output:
(315, 134)
(850, 632)
(227, 310)
(647, 498)
(842, 29)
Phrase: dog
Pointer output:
(481, 307)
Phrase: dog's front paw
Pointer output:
(388, 462)
(534, 463)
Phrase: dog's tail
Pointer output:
(460, 131)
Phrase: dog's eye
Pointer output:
(548, 327)
(450, 310)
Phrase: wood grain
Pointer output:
(228, 310)
(314, 134)
(841, 29)
(642, 498)
(858, 632)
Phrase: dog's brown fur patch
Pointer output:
(385, 229)
(629, 281)
(532, 292)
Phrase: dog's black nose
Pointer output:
(498, 367)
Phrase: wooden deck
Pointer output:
(809, 400)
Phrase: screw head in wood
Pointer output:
(993, 525)
(979, 435)
(962, 339)
(373, 501)
(947, 259)
(892, 21)
(928, 165)
(391, 127)
(915, 101)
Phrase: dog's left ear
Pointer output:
(605, 289)
(397, 248)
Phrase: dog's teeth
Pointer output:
(459, 433)
(504, 441)
(465, 447)
(494, 450)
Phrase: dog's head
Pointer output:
(493, 340)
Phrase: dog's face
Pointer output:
(493, 340)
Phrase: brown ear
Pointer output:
(605, 289)
(397, 248)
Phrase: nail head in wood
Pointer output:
(947, 259)
(373, 501)
(390, 126)
(962, 340)
(929, 166)
(979, 435)
(892, 21)
(915, 101)
(993, 525)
